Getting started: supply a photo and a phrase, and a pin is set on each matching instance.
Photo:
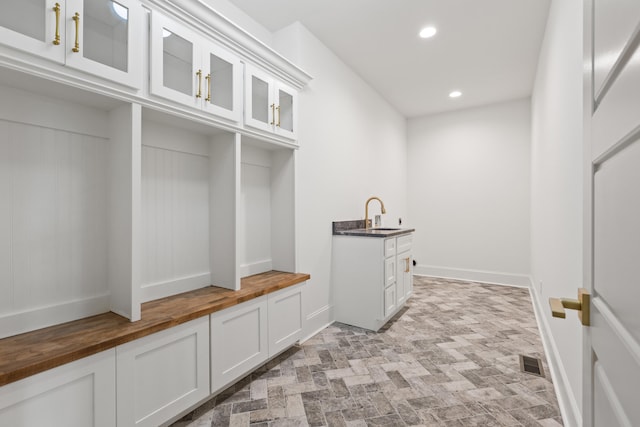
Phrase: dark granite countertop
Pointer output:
(356, 228)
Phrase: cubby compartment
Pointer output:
(189, 198)
(68, 166)
(267, 226)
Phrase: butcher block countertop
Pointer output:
(33, 352)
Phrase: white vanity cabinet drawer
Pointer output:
(390, 247)
(404, 243)
(389, 271)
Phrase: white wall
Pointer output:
(556, 193)
(469, 193)
(244, 21)
(352, 146)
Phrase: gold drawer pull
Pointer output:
(199, 93)
(208, 79)
(76, 18)
(56, 9)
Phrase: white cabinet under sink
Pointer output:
(371, 278)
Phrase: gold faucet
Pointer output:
(366, 210)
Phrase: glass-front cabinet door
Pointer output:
(223, 83)
(34, 26)
(189, 69)
(286, 104)
(174, 72)
(270, 105)
(104, 37)
(259, 106)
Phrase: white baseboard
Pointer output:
(491, 277)
(317, 321)
(41, 317)
(153, 291)
(569, 408)
(255, 268)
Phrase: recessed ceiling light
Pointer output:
(455, 94)
(427, 32)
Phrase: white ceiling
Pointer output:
(488, 49)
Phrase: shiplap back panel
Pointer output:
(255, 211)
(175, 214)
(53, 223)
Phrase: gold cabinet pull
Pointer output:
(208, 78)
(407, 266)
(76, 18)
(278, 123)
(199, 93)
(582, 305)
(56, 9)
(273, 114)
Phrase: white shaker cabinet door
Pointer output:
(238, 341)
(285, 318)
(78, 394)
(163, 374)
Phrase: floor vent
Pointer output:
(531, 365)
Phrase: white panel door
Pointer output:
(285, 318)
(612, 225)
(78, 394)
(34, 26)
(238, 341)
(163, 374)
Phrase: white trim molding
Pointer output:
(317, 321)
(569, 408)
(42, 317)
(490, 277)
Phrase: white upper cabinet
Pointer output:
(104, 38)
(34, 26)
(188, 69)
(270, 105)
(101, 37)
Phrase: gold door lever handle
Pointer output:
(582, 305)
